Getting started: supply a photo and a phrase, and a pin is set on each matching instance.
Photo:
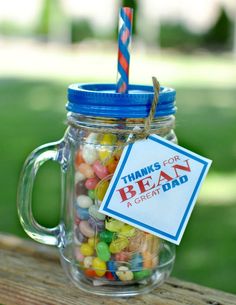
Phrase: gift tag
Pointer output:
(155, 187)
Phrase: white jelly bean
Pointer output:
(84, 201)
(79, 177)
(89, 154)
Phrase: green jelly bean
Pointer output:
(139, 275)
(91, 194)
(103, 251)
(106, 236)
(93, 211)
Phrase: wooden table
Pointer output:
(30, 274)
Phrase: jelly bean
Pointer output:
(108, 139)
(80, 189)
(139, 275)
(92, 138)
(114, 225)
(136, 262)
(112, 166)
(122, 256)
(124, 274)
(101, 190)
(90, 273)
(99, 266)
(106, 236)
(147, 260)
(84, 201)
(93, 211)
(102, 250)
(118, 244)
(79, 256)
(100, 170)
(105, 152)
(92, 241)
(97, 225)
(109, 276)
(127, 231)
(89, 153)
(86, 229)
(78, 158)
(79, 177)
(91, 183)
(86, 170)
(83, 214)
(80, 237)
(91, 194)
(111, 265)
(86, 249)
(88, 260)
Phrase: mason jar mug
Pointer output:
(100, 254)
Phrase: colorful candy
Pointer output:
(84, 201)
(101, 190)
(106, 247)
(97, 225)
(100, 170)
(91, 183)
(114, 225)
(86, 229)
(99, 266)
(93, 211)
(124, 274)
(86, 249)
(83, 214)
(89, 154)
(106, 236)
(86, 170)
(103, 252)
(118, 244)
(140, 275)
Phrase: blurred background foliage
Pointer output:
(65, 44)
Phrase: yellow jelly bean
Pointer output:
(92, 241)
(114, 225)
(127, 231)
(124, 274)
(101, 190)
(118, 244)
(86, 249)
(107, 140)
(99, 266)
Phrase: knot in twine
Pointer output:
(145, 132)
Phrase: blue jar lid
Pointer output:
(102, 100)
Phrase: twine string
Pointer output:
(140, 133)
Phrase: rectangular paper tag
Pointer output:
(155, 187)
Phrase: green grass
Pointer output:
(32, 113)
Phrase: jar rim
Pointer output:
(102, 100)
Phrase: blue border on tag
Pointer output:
(173, 237)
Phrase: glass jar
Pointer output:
(100, 254)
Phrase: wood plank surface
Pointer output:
(30, 274)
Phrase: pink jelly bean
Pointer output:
(91, 183)
(86, 229)
(100, 170)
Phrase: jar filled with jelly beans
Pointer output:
(100, 254)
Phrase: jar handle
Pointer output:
(49, 236)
